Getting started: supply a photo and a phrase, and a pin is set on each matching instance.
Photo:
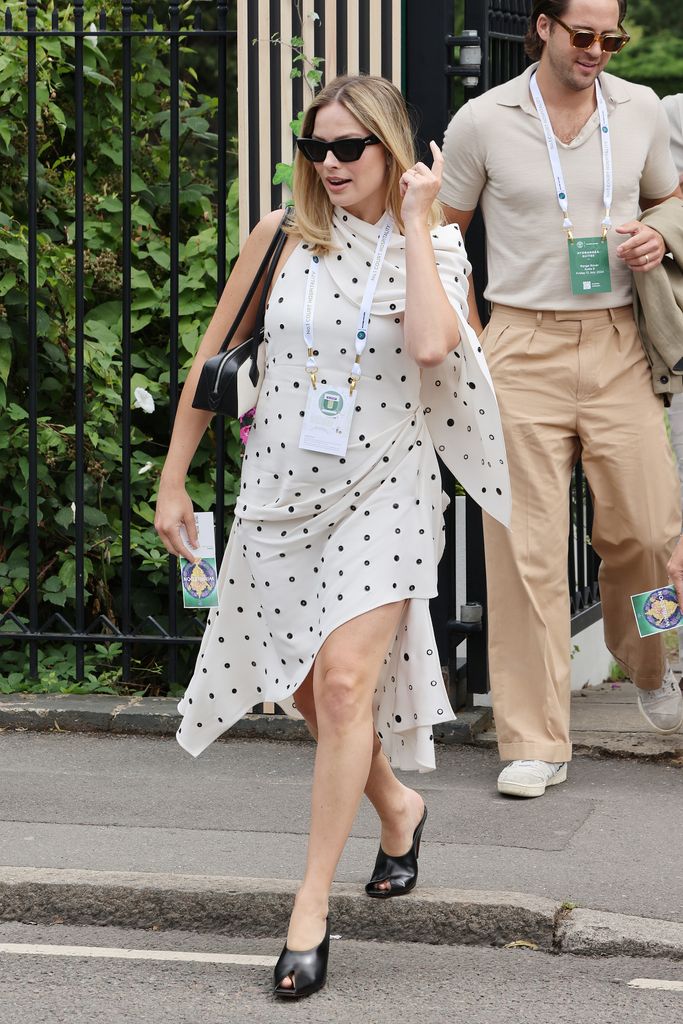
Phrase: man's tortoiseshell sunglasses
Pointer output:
(583, 38)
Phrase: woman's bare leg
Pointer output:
(344, 677)
(398, 807)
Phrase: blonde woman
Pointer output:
(333, 553)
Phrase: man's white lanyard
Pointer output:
(385, 233)
(554, 156)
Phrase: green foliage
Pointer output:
(57, 671)
(305, 66)
(616, 673)
(654, 56)
(655, 60)
(150, 249)
(657, 15)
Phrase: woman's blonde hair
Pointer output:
(380, 108)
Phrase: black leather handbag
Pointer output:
(230, 381)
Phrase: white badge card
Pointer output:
(327, 420)
(199, 579)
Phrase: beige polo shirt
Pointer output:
(674, 108)
(496, 155)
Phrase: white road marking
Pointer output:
(103, 952)
(658, 983)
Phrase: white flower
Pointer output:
(143, 400)
(73, 511)
(145, 469)
(93, 32)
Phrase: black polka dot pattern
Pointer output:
(319, 539)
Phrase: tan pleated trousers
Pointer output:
(572, 385)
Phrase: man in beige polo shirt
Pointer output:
(559, 160)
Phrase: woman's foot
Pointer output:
(397, 834)
(307, 928)
(301, 973)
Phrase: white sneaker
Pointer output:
(530, 778)
(663, 708)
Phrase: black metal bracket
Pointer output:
(463, 40)
(466, 628)
(463, 70)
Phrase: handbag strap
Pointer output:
(270, 274)
(269, 261)
(258, 332)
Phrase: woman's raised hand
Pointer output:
(419, 186)
(173, 510)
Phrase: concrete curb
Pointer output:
(589, 933)
(635, 746)
(158, 716)
(260, 907)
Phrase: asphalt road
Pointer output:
(369, 983)
(609, 838)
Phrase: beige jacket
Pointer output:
(658, 301)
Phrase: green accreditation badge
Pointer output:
(589, 265)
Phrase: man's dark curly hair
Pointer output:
(533, 44)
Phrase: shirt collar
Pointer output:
(516, 92)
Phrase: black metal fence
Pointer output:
(29, 622)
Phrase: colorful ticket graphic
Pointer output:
(656, 611)
(199, 579)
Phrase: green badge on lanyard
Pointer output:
(589, 265)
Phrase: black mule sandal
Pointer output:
(400, 872)
(307, 967)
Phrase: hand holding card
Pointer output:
(199, 578)
(656, 611)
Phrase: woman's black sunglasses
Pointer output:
(345, 150)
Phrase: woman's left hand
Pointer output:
(420, 186)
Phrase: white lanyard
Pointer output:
(554, 155)
(385, 233)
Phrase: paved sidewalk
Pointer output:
(606, 722)
(130, 830)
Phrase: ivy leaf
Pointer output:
(94, 517)
(95, 76)
(110, 204)
(283, 174)
(64, 517)
(5, 359)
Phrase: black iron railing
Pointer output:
(29, 622)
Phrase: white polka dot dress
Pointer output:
(320, 539)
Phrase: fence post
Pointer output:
(426, 87)
(32, 322)
(79, 326)
(126, 318)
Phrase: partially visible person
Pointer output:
(561, 159)
(674, 109)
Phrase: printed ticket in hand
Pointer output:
(199, 579)
(656, 611)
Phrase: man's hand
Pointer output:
(644, 250)
(675, 570)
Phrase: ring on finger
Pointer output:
(647, 258)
